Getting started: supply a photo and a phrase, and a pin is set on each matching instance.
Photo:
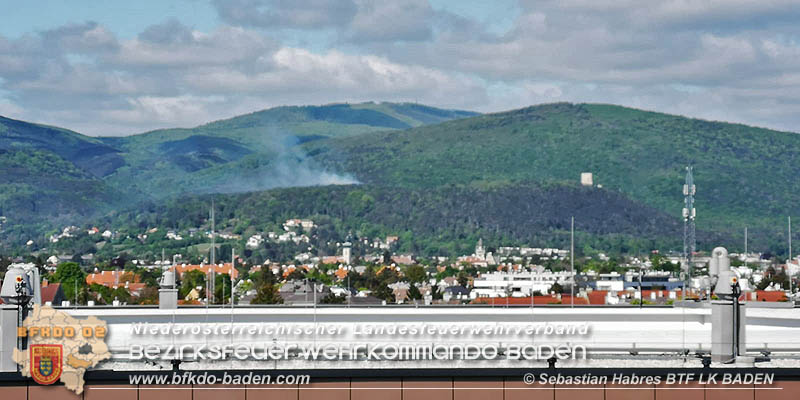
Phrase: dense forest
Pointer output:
(441, 178)
(443, 221)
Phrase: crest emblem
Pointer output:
(46, 363)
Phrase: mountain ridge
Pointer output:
(171, 162)
(745, 175)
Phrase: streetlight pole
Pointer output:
(572, 262)
(531, 268)
(233, 267)
(641, 292)
(745, 246)
(791, 290)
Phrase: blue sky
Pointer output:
(116, 68)
(125, 18)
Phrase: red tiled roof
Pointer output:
(206, 268)
(770, 295)
(136, 287)
(405, 260)
(598, 297)
(659, 293)
(521, 301)
(111, 278)
(50, 291)
(330, 260)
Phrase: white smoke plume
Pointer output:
(279, 161)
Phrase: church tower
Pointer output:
(480, 251)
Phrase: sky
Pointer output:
(119, 68)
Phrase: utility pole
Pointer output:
(531, 267)
(791, 289)
(212, 271)
(572, 261)
(233, 267)
(745, 246)
(641, 292)
(213, 235)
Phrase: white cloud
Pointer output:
(733, 60)
(276, 14)
(378, 20)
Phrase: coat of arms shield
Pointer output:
(46, 363)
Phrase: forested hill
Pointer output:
(51, 176)
(474, 174)
(744, 175)
(445, 220)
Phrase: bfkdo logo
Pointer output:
(46, 363)
(60, 347)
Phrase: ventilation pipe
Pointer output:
(728, 320)
(168, 293)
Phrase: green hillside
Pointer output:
(744, 175)
(254, 151)
(88, 154)
(52, 176)
(39, 189)
(437, 173)
(446, 220)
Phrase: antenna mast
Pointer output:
(688, 224)
(212, 270)
(745, 246)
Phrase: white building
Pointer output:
(586, 179)
(613, 282)
(347, 254)
(253, 242)
(793, 266)
(517, 284)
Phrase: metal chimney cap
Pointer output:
(16, 276)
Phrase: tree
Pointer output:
(296, 274)
(267, 294)
(435, 293)
(463, 278)
(387, 276)
(265, 277)
(387, 257)
(222, 288)
(71, 277)
(384, 292)
(4, 263)
(122, 294)
(556, 288)
(331, 298)
(190, 280)
(415, 274)
(100, 294)
(148, 295)
(150, 277)
(414, 293)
